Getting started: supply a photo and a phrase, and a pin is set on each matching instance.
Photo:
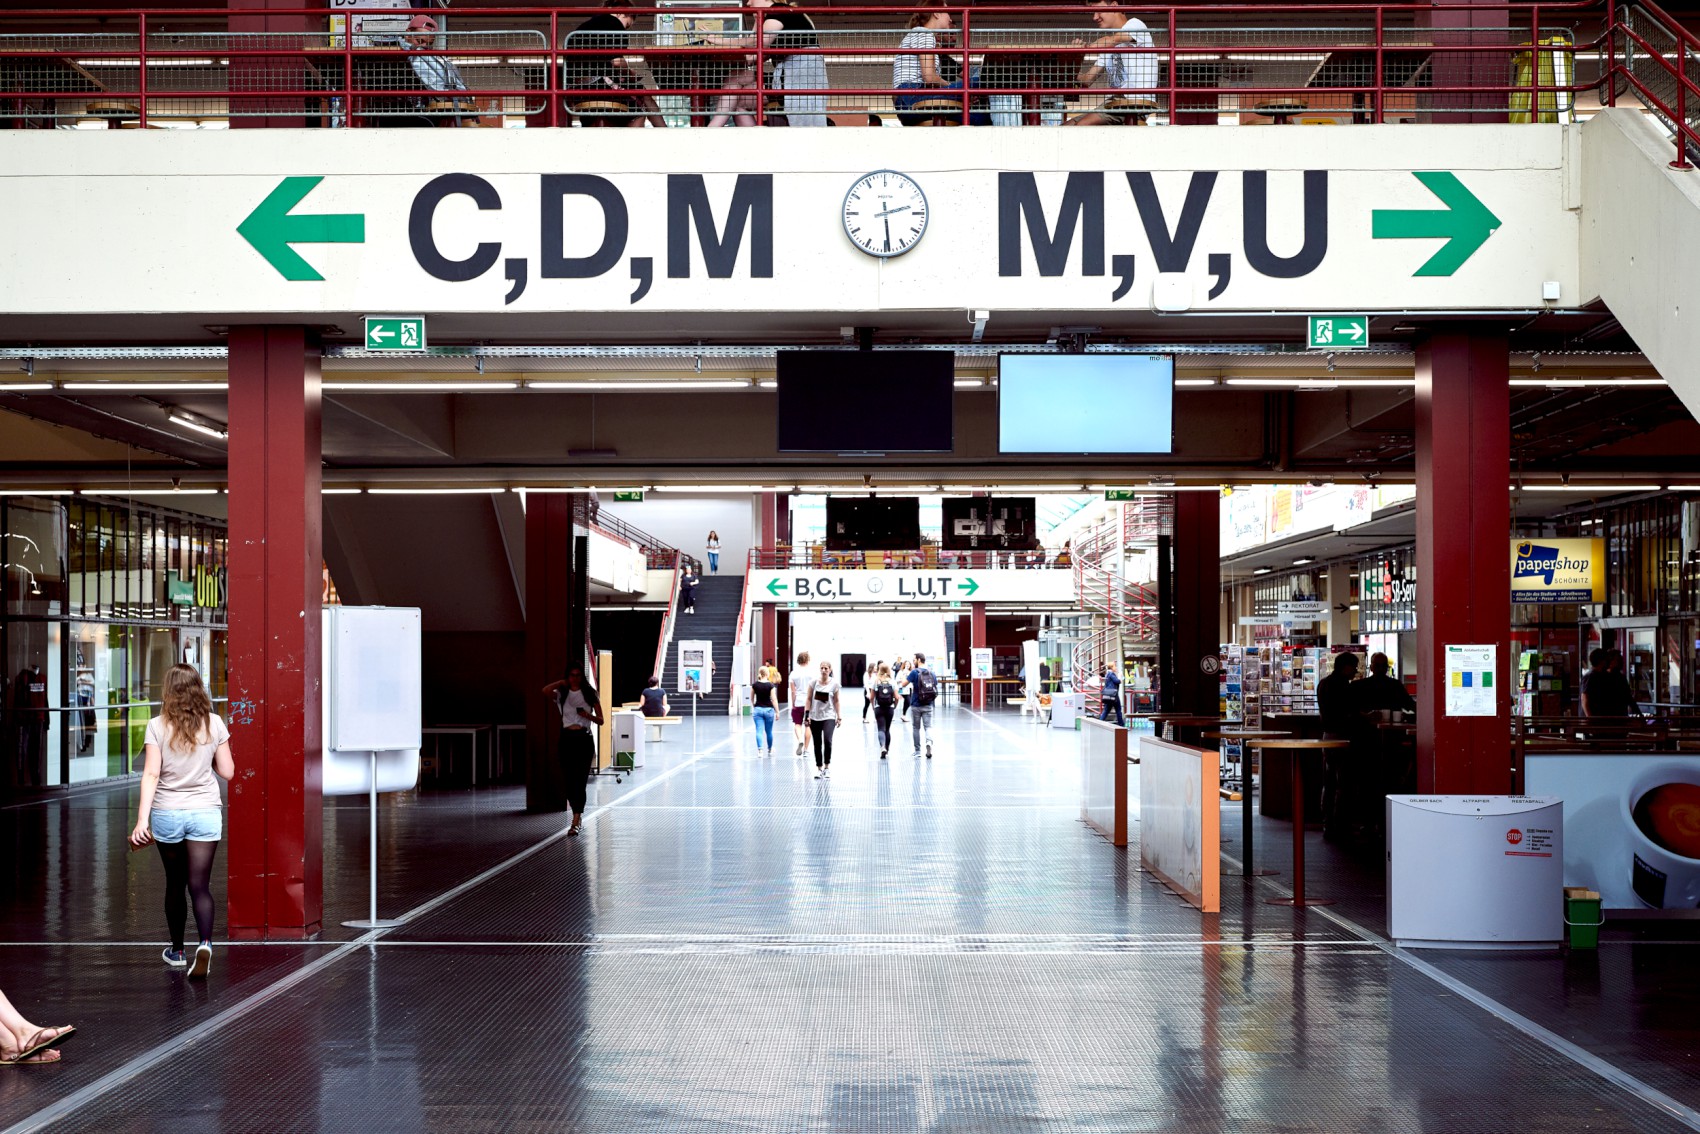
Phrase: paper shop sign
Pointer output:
(806, 588)
(1558, 570)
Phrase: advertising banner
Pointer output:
(1558, 570)
(1631, 825)
(696, 667)
(982, 662)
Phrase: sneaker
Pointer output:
(929, 752)
(174, 958)
(917, 753)
(826, 773)
(819, 773)
(882, 754)
(799, 748)
(203, 960)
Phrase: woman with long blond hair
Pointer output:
(187, 751)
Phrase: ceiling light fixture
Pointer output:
(1580, 383)
(142, 387)
(482, 490)
(592, 386)
(420, 387)
(1597, 489)
(1263, 570)
(1323, 383)
(198, 425)
(1184, 383)
(724, 488)
(25, 387)
(38, 492)
(341, 491)
(1303, 560)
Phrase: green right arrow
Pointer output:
(271, 228)
(1465, 224)
(774, 586)
(969, 586)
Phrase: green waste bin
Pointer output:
(1582, 917)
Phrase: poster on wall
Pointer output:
(1558, 570)
(1470, 683)
(696, 667)
(982, 663)
(1631, 825)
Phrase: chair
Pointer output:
(1133, 111)
(596, 111)
(933, 111)
(1281, 110)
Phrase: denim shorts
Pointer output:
(200, 824)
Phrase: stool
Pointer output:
(588, 109)
(941, 111)
(1281, 110)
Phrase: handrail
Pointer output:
(1039, 70)
(1685, 130)
(668, 618)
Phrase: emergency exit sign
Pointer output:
(628, 496)
(1121, 494)
(1337, 332)
(396, 333)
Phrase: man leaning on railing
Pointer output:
(1124, 70)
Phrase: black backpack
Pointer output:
(926, 686)
(884, 695)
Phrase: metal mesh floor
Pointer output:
(733, 945)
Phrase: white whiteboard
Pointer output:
(375, 683)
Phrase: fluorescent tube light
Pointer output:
(723, 488)
(341, 491)
(197, 425)
(38, 492)
(467, 491)
(380, 387)
(1181, 383)
(1597, 489)
(1322, 383)
(139, 387)
(592, 385)
(150, 490)
(24, 387)
(969, 383)
(1579, 383)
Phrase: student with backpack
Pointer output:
(884, 697)
(923, 686)
(1112, 696)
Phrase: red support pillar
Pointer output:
(977, 640)
(276, 569)
(1463, 413)
(1196, 593)
(770, 646)
(550, 647)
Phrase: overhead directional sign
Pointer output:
(1465, 223)
(943, 588)
(397, 333)
(271, 228)
(1337, 332)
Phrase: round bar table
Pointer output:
(1296, 749)
(1244, 736)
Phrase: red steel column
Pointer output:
(770, 646)
(1463, 415)
(977, 640)
(548, 641)
(276, 568)
(1197, 592)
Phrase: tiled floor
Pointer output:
(912, 945)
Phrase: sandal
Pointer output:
(50, 1056)
(41, 1040)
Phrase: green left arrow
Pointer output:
(774, 586)
(969, 586)
(271, 228)
(1465, 224)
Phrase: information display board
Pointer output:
(696, 666)
(372, 698)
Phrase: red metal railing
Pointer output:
(929, 557)
(1330, 62)
(1645, 39)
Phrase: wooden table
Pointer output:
(1181, 721)
(1297, 748)
(1247, 870)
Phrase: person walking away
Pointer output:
(824, 715)
(1335, 702)
(870, 678)
(713, 552)
(580, 709)
(800, 678)
(923, 691)
(764, 708)
(1112, 696)
(653, 699)
(884, 696)
(22, 1044)
(903, 687)
(186, 752)
(688, 592)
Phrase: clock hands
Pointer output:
(898, 209)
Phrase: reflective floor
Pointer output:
(736, 946)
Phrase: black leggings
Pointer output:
(578, 753)
(822, 732)
(188, 874)
(882, 722)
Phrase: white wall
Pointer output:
(879, 635)
(683, 520)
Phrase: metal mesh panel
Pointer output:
(1654, 56)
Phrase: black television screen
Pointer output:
(978, 523)
(860, 401)
(873, 523)
(1086, 403)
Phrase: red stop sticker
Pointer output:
(1514, 836)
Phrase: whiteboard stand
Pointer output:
(374, 921)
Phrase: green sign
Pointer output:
(396, 333)
(271, 228)
(968, 587)
(1121, 494)
(1337, 332)
(774, 586)
(1465, 224)
(178, 591)
(632, 496)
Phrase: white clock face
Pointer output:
(885, 213)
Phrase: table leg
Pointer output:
(1298, 898)
(1247, 814)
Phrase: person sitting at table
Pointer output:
(1378, 692)
(434, 72)
(1123, 70)
(654, 703)
(918, 72)
(785, 27)
(609, 69)
(1340, 721)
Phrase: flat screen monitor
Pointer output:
(858, 401)
(1001, 523)
(1086, 404)
(873, 523)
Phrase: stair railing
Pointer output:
(668, 618)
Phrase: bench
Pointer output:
(653, 727)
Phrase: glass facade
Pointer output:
(101, 597)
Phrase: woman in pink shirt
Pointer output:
(187, 750)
